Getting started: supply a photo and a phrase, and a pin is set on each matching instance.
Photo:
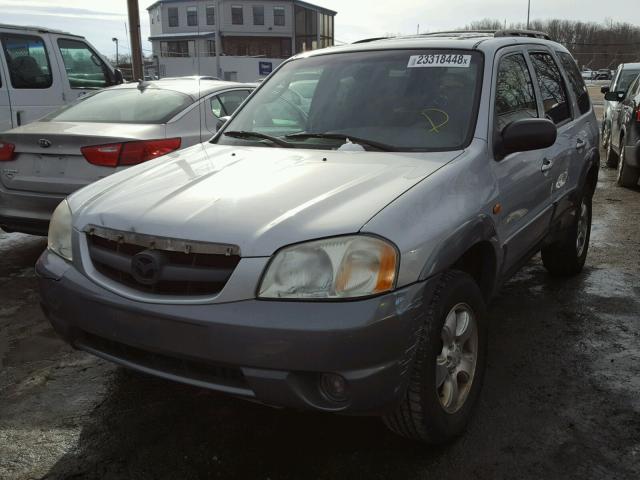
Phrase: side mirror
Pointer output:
(525, 135)
(614, 96)
(604, 89)
(221, 122)
(118, 76)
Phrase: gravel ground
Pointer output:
(560, 400)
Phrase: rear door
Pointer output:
(5, 104)
(525, 188)
(556, 106)
(35, 85)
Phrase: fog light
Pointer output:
(333, 387)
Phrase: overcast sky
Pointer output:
(100, 20)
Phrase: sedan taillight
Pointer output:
(638, 115)
(6, 151)
(129, 153)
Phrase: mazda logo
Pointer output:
(44, 143)
(146, 267)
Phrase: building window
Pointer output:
(278, 16)
(173, 17)
(158, 15)
(211, 48)
(192, 16)
(258, 15)
(236, 15)
(178, 48)
(211, 15)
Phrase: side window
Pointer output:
(552, 88)
(232, 100)
(28, 61)
(216, 107)
(577, 83)
(84, 68)
(515, 98)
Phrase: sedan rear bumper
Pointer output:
(27, 212)
(273, 352)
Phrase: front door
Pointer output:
(5, 105)
(525, 207)
(84, 69)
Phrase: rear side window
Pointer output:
(552, 88)
(28, 61)
(624, 80)
(84, 68)
(515, 99)
(125, 105)
(576, 82)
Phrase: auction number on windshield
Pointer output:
(439, 60)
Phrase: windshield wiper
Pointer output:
(263, 136)
(343, 136)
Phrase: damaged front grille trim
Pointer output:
(153, 242)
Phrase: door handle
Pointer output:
(580, 143)
(546, 164)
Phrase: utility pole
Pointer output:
(114, 39)
(528, 14)
(136, 43)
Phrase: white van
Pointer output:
(43, 69)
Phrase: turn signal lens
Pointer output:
(129, 153)
(6, 151)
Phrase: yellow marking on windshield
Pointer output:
(435, 128)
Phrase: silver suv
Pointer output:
(335, 250)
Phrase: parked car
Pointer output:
(588, 74)
(625, 74)
(42, 69)
(340, 258)
(603, 74)
(624, 145)
(100, 134)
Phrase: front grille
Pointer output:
(195, 271)
(183, 367)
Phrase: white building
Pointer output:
(254, 36)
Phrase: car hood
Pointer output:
(259, 199)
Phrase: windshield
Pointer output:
(625, 79)
(405, 100)
(124, 105)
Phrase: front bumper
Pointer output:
(269, 351)
(27, 212)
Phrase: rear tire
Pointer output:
(627, 176)
(567, 256)
(448, 368)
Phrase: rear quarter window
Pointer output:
(125, 105)
(576, 82)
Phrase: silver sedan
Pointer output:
(105, 132)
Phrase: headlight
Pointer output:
(334, 268)
(59, 241)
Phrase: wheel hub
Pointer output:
(456, 364)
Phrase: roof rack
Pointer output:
(373, 39)
(522, 33)
(494, 33)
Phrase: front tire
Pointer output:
(567, 256)
(449, 365)
(627, 176)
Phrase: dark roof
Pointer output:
(312, 6)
